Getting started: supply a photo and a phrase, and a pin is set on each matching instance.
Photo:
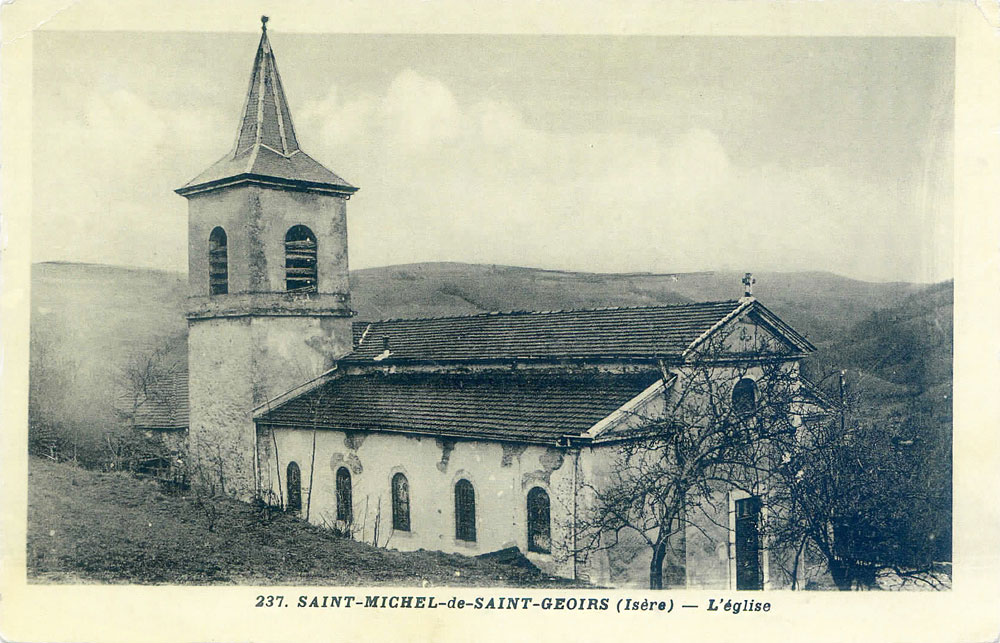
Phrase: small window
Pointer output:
(345, 503)
(744, 396)
(400, 503)
(218, 263)
(539, 523)
(749, 571)
(465, 511)
(294, 487)
(300, 260)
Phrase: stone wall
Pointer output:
(236, 364)
(256, 219)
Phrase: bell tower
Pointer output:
(269, 299)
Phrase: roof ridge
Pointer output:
(742, 304)
(499, 313)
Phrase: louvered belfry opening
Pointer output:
(300, 260)
(218, 263)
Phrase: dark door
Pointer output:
(749, 574)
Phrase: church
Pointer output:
(469, 434)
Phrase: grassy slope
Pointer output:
(85, 526)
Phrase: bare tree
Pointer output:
(843, 484)
(722, 414)
(855, 495)
(145, 376)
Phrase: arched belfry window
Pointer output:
(294, 479)
(345, 501)
(744, 396)
(465, 511)
(300, 260)
(400, 503)
(218, 263)
(539, 522)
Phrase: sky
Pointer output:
(590, 153)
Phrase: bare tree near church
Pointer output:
(829, 487)
(856, 494)
(721, 421)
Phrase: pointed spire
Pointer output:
(266, 148)
(266, 120)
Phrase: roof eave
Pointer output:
(457, 361)
(563, 440)
(804, 345)
(333, 189)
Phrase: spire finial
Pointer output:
(263, 23)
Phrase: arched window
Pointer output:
(300, 260)
(539, 524)
(465, 511)
(218, 263)
(294, 479)
(744, 396)
(345, 503)
(400, 503)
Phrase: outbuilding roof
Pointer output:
(508, 406)
(167, 405)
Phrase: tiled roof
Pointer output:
(167, 407)
(505, 406)
(640, 332)
(266, 147)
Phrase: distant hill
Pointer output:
(88, 320)
(899, 359)
(103, 313)
(909, 344)
(820, 305)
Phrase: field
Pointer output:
(86, 527)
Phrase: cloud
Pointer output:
(444, 177)
(447, 180)
(104, 181)
(421, 112)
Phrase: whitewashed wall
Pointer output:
(501, 474)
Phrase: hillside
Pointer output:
(821, 305)
(85, 526)
(123, 308)
(87, 322)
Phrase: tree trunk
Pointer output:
(656, 566)
(848, 576)
(841, 575)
